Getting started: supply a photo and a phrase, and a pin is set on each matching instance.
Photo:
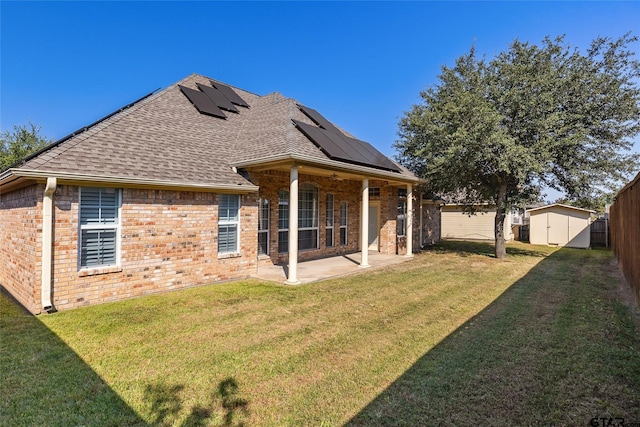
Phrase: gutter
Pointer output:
(47, 243)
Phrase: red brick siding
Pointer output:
(272, 182)
(388, 216)
(430, 223)
(21, 244)
(168, 241)
(349, 191)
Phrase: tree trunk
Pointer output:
(501, 249)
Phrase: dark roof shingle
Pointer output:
(164, 138)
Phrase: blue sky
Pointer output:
(361, 64)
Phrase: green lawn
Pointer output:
(452, 337)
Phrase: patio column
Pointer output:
(364, 223)
(409, 220)
(292, 278)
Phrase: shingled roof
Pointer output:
(163, 140)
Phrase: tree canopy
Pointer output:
(19, 143)
(497, 131)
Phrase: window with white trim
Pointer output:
(330, 218)
(283, 221)
(228, 223)
(401, 219)
(344, 208)
(263, 226)
(308, 217)
(99, 227)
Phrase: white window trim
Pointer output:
(402, 217)
(117, 226)
(330, 228)
(231, 222)
(346, 222)
(316, 220)
(288, 219)
(267, 230)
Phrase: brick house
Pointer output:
(197, 183)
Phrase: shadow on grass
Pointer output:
(45, 383)
(166, 405)
(468, 248)
(556, 348)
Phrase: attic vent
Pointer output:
(212, 100)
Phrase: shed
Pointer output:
(560, 225)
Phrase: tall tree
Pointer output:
(19, 143)
(497, 131)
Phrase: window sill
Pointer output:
(99, 270)
(263, 256)
(229, 255)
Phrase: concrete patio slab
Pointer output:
(321, 269)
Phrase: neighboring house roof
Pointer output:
(163, 140)
(541, 208)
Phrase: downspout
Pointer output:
(421, 225)
(47, 242)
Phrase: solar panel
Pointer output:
(230, 94)
(364, 152)
(349, 147)
(202, 102)
(343, 148)
(217, 97)
(320, 139)
(318, 118)
(379, 158)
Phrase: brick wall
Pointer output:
(271, 182)
(388, 216)
(21, 244)
(168, 241)
(430, 223)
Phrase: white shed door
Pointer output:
(557, 229)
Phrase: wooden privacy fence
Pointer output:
(600, 232)
(625, 232)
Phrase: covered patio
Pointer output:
(325, 268)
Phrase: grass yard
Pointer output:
(454, 337)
